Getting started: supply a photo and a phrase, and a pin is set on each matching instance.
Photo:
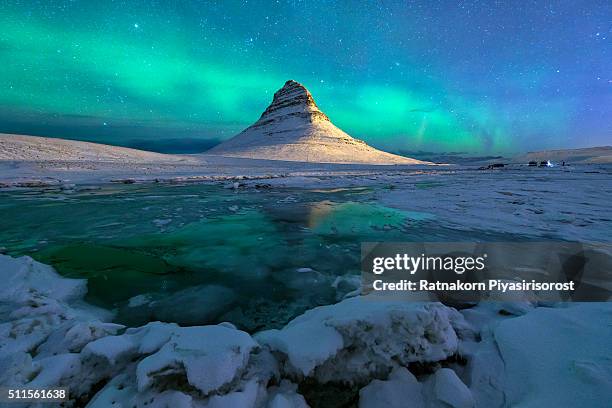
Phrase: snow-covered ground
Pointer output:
(37, 161)
(396, 354)
(356, 352)
(600, 155)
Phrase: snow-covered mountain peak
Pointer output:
(293, 128)
(293, 100)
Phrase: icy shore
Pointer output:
(399, 354)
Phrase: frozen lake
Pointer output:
(265, 252)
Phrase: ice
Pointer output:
(112, 349)
(558, 356)
(191, 306)
(285, 395)
(359, 338)
(41, 312)
(526, 355)
(27, 280)
(450, 390)
(247, 397)
(53, 370)
(210, 357)
(401, 390)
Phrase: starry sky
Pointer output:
(479, 77)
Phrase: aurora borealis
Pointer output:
(469, 76)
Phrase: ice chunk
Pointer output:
(24, 278)
(72, 336)
(285, 395)
(401, 390)
(449, 389)
(360, 337)
(209, 356)
(111, 348)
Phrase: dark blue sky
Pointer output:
(472, 76)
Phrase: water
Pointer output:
(197, 254)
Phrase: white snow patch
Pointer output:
(359, 337)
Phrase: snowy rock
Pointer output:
(112, 349)
(25, 280)
(52, 371)
(247, 397)
(139, 300)
(347, 286)
(73, 336)
(401, 390)
(209, 357)
(361, 337)
(15, 369)
(42, 312)
(163, 365)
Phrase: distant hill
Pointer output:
(593, 155)
(34, 148)
(293, 128)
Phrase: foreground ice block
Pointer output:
(359, 338)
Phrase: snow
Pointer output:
(210, 357)
(285, 395)
(527, 356)
(359, 338)
(449, 389)
(558, 356)
(35, 148)
(27, 280)
(601, 154)
(550, 203)
(401, 390)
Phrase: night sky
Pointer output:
(482, 77)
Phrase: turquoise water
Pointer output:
(196, 254)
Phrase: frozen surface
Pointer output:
(558, 356)
(528, 357)
(160, 248)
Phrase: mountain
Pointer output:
(588, 155)
(293, 128)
